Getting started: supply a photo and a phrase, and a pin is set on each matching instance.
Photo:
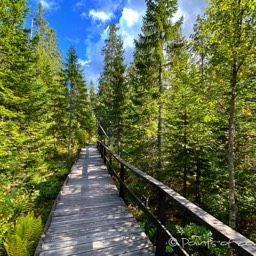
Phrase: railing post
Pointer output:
(121, 192)
(160, 239)
(101, 150)
(104, 155)
(110, 165)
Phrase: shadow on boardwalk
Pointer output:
(89, 217)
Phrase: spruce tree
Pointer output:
(50, 80)
(112, 85)
(159, 36)
(16, 77)
(81, 118)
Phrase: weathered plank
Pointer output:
(89, 217)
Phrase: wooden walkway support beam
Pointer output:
(89, 217)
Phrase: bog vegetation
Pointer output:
(184, 111)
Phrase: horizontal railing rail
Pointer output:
(232, 238)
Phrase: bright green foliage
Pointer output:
(15, 78)
(33, 115)
(200, 239)
(13, 201)
(228, 34)
(182, 113)
(160, 36)
(195, 234)
(25, 236)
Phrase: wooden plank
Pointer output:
(72, 210)
(92, 219)
(92, 225)
(79, 232)
(70, 239)
(89, 211)
(89, 217)
(112, 246)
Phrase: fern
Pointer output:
(24, 237)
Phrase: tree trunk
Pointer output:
(231, 151)
(70, 127)
(185, 171)
(160, 117)
(198, 181)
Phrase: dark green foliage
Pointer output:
(81, 124)
(112, 87)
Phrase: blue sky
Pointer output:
(84, 24)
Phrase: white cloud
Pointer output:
(178, 15)
(73, 40)
(83, 14)
(50, 4)
(130, 25)
(45, 4)
(104, 34)
(79, 4)
(130, 17)
(94, 68)
(101, 16)
(84, 62)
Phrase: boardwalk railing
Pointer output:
(229, 236)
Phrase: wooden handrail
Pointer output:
(232, 238)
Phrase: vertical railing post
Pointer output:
(121, 192)
(101, 150)
(110, 165)
(104, 154)
(160, 239)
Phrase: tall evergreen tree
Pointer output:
(162, 36)
(159, 36)
(50, 79)
(16, 77)
(81, 118)
(112, 87)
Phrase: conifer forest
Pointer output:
(183, 111)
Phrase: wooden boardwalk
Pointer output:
(89, 217)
